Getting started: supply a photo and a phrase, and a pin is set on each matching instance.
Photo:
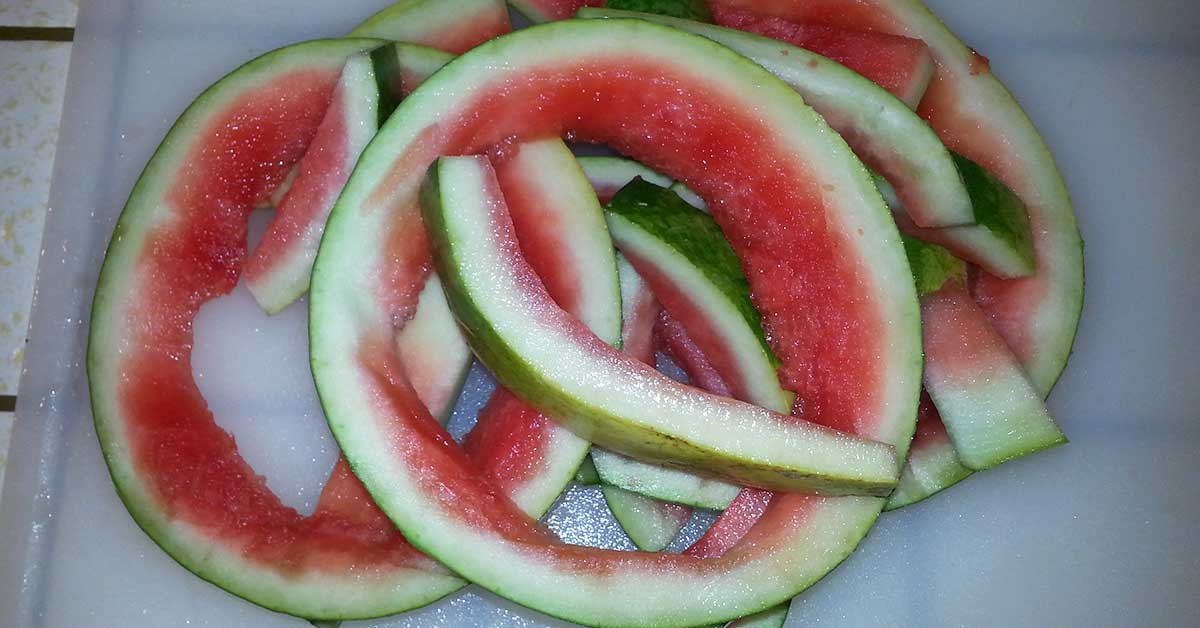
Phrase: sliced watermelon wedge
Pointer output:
(539, 11)
(453, 27)
(609, 174)
(977, 117)
(631, 73)
(673, 340)
(882, 130)
(901, 65)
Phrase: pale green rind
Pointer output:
(530, 11)
(928, 471)
(413, 20)
(688, 195)
(671, 485)
(932, 265)
(997, 421)
(876, 123)
(343, 313)
(435, 351)
(615, 172)
(643, 519)
(305, 595)
(619, 404)
(771, 618)
(569, 202)
(361, 101)
(1049, 332)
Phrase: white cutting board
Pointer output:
(1098, 533)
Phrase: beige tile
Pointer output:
(32, 80)
(38, 12)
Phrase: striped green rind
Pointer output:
(650, 524)
(627, 590)
(879, 127)
(619, 404)
(313, 595)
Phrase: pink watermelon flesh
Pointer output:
(901, 65)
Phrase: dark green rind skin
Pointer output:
(523, 379)
(694, 235)
(345, 48)
(998, 209)
(932, 265)
(387, 72)
(586, 474)
(684, 9)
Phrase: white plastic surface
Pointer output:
(1098, 533)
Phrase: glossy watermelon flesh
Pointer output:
(610, 63)
(901, 65)
(976, 116)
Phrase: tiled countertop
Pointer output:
(33, 74)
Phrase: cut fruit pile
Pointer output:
(751, 234)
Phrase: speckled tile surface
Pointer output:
(32, 80)
(38, 12)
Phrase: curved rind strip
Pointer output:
(453, 27)
(346, 313)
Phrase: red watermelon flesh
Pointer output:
(901, 65)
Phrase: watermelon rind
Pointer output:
(649, 523)
(450, 26)
(345, 313)
(882, 130)
(315, 595)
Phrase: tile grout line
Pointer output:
(37, 33)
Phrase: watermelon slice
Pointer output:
(650, 524)
(881, 129)
(673, 340)
(976, 116)
(539, 11)
(613, 82)
(561, 228)
(992, 412)
(454, 27)
(179, 243)
(901, 65)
